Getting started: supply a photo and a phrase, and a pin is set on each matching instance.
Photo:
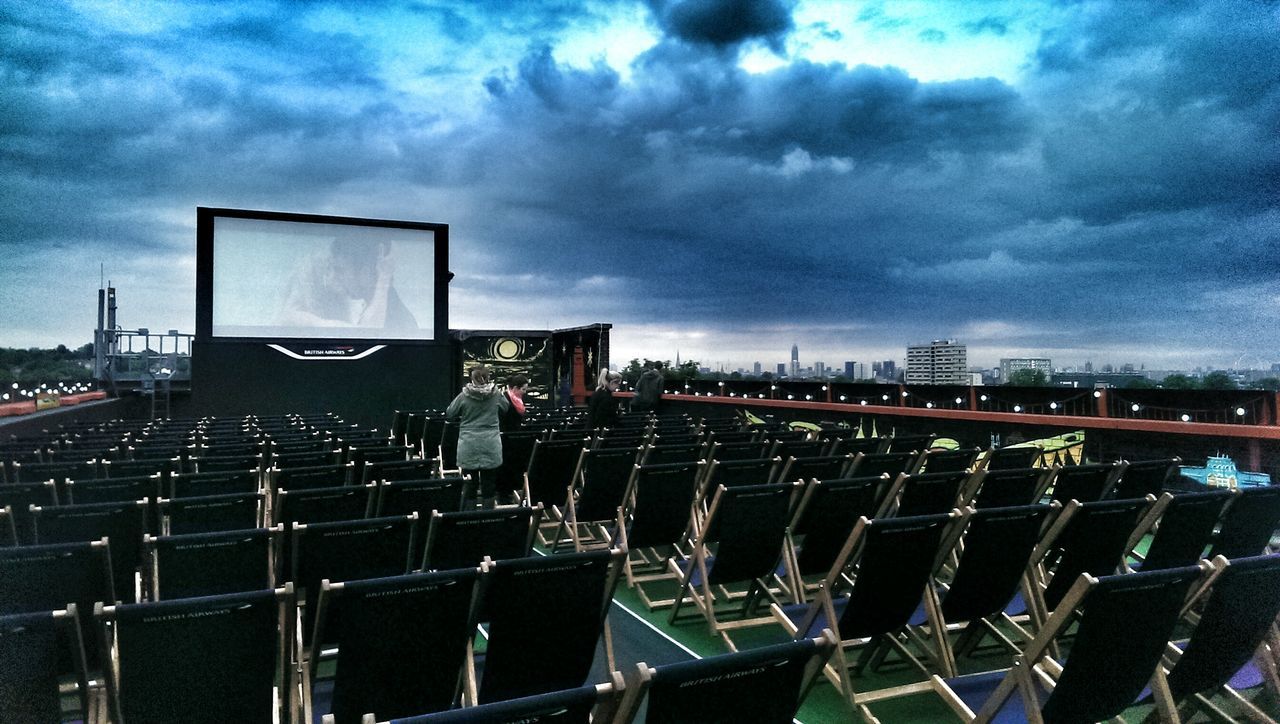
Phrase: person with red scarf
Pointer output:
(513, 418)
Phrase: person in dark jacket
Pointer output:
(648, 389)
(513, 418)
(602, 409)
(477, 409)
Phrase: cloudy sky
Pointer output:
(1081, 180)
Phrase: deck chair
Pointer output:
(798, 449)
(465, 538)
(48, 577)
(546, 616)
(59, 471)
(112, 490)
(608, 442)
(584, 704)
(310, 459)
(929, 494)
(8, 533)
(1011, 458)
(551, 468)
(190, 485)
(1008, 488)
(895, 559)
(377, 470)
(242, 448)
(310, 477)
(1145, 477)
(949, 461)
(517, 448)
(361, 455)
(210, 513)
(866, 465)
(593, 498)
(1238, 607)
(1114, 654)
(421, 496)
(822, 522)
(1085, 483)
(666, 454)
(652, 526)
(123, 524)
(855, 445)
(1248, 524)
(208, 564)
(221, 464)
(738, 547)
(1087, 538)
(995, 549)
(731, 451)
(209, 659)
(320, 505)
(910, 443)
(1183, 526)
(448, 448)
(401, 645)
(822, 467)
(765, 685)
(737, 473)
(138, 468)
(32, 647)
(20, 497)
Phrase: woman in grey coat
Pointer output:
(477, 409)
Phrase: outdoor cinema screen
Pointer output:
(284, 278)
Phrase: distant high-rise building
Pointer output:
(1009, 365)
(941, 362)
(782, 369)
(756, 370)
(819, 369)
(848, 369)
(795, 360)
(889, 368)
(1088, 366)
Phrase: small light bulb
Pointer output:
(1017, 408)
(1135, 407)
(929, 405)
(983, 398)
(959, 401)
(1053, 405)
(1097, 393)
(1186, 417)
(1240, 411)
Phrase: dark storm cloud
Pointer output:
(724, 23)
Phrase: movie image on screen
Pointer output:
(303, 280)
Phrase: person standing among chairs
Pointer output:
(478, 409)
(602, 409)
(648, 389)
(513, 418)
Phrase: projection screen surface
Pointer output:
(303, 280)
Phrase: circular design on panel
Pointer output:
(507, 348)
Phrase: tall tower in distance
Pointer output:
(795, 360)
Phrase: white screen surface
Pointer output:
(301, 280)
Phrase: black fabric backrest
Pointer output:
(665, 454)
(61, 470)
(43, 578)
(401, 644)
(209, 513)
(207, 564)
(1245, 601)
(398, 470)
(322, 505)
(551, 469)
(123, 524)
(8, 533)
(360, 455)
(190, 485)
(1093, 542)
(822, 467)
(462, 539)
(572, 706)
(517, 447)
(1145, 477)
(313, 459)
(1249, 523)
(348, 551)
(545, 617)
(749, 524)
(909, 443)
(760, 686)
(950, 461)
(1186, 529)
(29, 668)
(855, 445)
(869, 464)
(930, 493)
(664, 499)
(1012, 458)
(829, 516)
(736, 473)
(135, 468)
(112, 490)
(220, 464)
(1115, 651)
(311, 477)
(605, 474)
(203, 659)
(1085, 483)
(402, 497)
(726, 452)
(244, 448)
(799, 449)
(998, 543)
(896, 561)
(1008, 488)
(20, 497)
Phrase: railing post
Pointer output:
(973, 398)
(1102, 402)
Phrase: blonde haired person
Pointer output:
(602, 409)
(477, 409)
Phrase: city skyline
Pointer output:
(1079, 181)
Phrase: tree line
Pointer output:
(29, 367)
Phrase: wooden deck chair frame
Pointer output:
(552, 513)
(747, 669)
(287, 687)
(645, 563)
(616, 556)
(591, 532)
(696, 575)
(839, 578)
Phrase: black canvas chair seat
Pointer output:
(949, 461)
(19, 497)
(1185, 529)
(766, 685)
(594, 497)
(664, 453)
(58, 471)
(517, 448)
(579, 705)
(138, 468)
(929, 493)
(1009, 487)
(736, 473)
(1085, 483)
(123, 524)
(818, 467)
(855, 445)
(208, 564)
(1011, 458)
(112, 490)
(824, 518)
(421, 496)
(32, 647)
(1249, 523)
(798, 449)
(653, 528)
(374, 471)
(546, 616)
(910, 443)
(210, 513)
(311, 477)
(891, 463)
(8, 532)
(1145, 477)
(211, 659)
(402, 644)
(190, 485)
(465, 538)
(321, 505)
(551, 467)
(730, 451)
(223, 463)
